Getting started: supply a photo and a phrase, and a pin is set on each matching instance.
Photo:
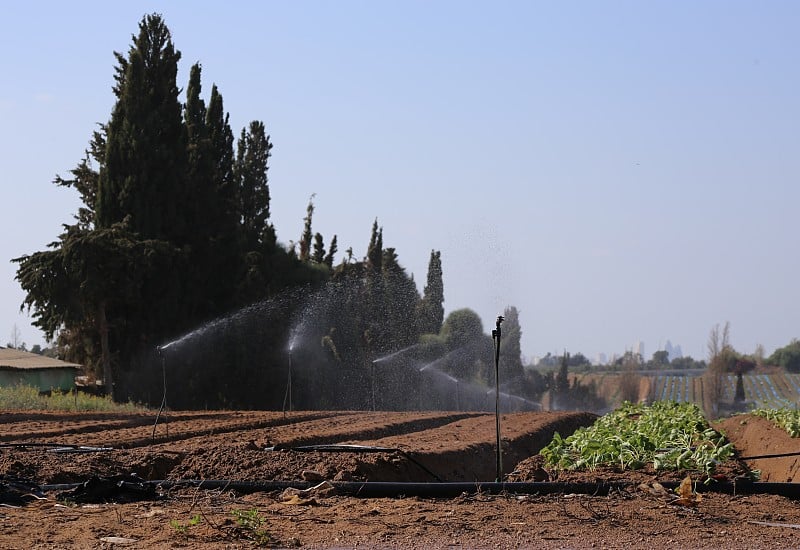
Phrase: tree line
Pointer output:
(174, 237)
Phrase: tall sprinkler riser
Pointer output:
(496, 338)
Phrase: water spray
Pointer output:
(496, 339)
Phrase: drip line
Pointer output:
(379, 489)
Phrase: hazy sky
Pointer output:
(618, 171)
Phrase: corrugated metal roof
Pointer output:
(16, 359)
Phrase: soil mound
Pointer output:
(756, 436)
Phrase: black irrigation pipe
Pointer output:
(56, 447)
(380, 489)
(777, 455)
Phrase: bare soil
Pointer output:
(260, 447)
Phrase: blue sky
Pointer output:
(618, 171)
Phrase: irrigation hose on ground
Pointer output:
(438, 489)
(380, 489)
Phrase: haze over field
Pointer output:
(618, 171)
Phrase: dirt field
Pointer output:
(261, 448)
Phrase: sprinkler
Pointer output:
(288, 395)
(372, 383)
(496, 338)
(160, 352)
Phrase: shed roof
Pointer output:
(17, 359)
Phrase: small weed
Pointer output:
(251, 522)
(183, 528)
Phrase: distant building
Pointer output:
(639, 348)
(673, 352)
(30, 369)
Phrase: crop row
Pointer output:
(665, 435)
(761, 390)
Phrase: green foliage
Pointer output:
(660, 359)
(174, 230)
(332, 249)
(431, 310)
(686, 362)
(511, 372)
(143, 178)
(183, 527)
(667, 435)
(462, 333)
(29, 398)
(253, 152)
(174, 234)
(561, 382)
(566, 396)
(787, 357)
(252, 525)
(462, 327)
(788, 419)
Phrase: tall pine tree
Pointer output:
(143, 179)
(430, 309)
(511, 370)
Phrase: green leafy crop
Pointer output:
(666, 434)
(788, 419)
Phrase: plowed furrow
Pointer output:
(363, 427)
(138, 432)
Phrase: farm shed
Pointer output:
(46, 373)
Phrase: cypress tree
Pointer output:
(375, 249)
(221, 141)
(143, 178)
(305, 238)
(250, 169)
(511, 370)
(319, 249)
(332, 249)
(226, 237)
(400, 298)
(431, 309)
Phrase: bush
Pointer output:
(29, 398)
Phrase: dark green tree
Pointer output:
(375, 249)
(660, 359)
(400, 298)
(511, 371)
(250, 170)
(143, 178)
(225, 238)
(305, 238)
(470, 350)
(787, 357)
(375, 335)
(561, 383)
(332, 249)
(203, 211)
(262, 261)
(431, 308)
(318, 255)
